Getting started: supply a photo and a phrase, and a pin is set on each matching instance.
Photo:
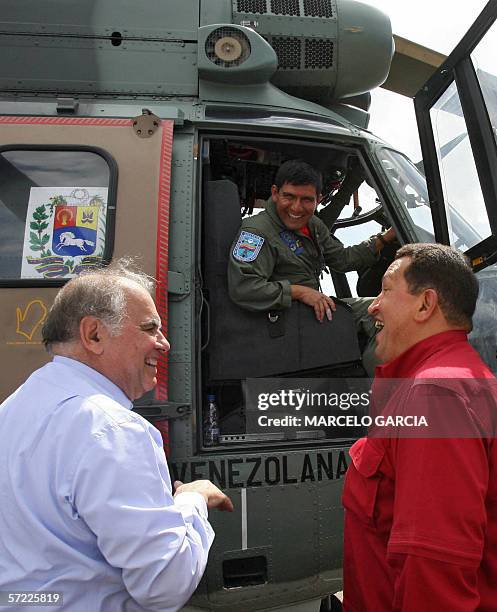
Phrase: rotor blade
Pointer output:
(412, 65)
(444, 151)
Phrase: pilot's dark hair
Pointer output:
(298, 172)
(101, 293)
(449, 273)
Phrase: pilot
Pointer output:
(279, 254)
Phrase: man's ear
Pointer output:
(427, 305)
(274, 192)
(92, 332)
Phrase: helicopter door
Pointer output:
(456, 112)
(75, 192)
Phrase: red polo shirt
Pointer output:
(421, 514)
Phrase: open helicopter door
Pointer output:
(458, 104)
(76, 192)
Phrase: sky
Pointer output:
(436, 24)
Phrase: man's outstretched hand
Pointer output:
(213, 496)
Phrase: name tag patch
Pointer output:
(292, 241)
(247, 247)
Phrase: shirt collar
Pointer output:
(406, 364)
(272, 212)
(97, 379)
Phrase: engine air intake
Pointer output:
(227, 47)
(252, 6)
(318, 53)
(288, 49)
(285, 7)
(318, 8)
(294, 8)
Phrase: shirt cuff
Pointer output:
(286, 294)
(191, 498)
(371, 245)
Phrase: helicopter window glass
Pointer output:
(350, 236)
(353, 195)
(483, 58)
(410, 188)
(54, 212)
(483, 336)
(364, 200)
(461, 187)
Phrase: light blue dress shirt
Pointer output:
(85, 499)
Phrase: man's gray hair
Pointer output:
(101, 294)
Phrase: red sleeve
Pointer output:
(429, 585)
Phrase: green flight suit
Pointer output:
(291, 258)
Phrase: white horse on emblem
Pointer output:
(69, 239)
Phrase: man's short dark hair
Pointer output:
(449, 273)
(298, 172)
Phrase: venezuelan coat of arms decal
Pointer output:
(65, 231)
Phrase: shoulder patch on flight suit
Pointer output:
(292, 241)
(247, 247)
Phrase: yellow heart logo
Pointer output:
(29, 320)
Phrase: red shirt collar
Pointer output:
(407, 364)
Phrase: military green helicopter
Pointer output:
(150, 130)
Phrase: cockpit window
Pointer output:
(410, 187)
(461, 186)
(483, 58)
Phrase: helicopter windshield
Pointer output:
(410, 188)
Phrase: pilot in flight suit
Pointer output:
(268, 257)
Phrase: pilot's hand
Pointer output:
(389, 235)
(323, 305)
(213, 496)
(385, 238)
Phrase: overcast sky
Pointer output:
(437, 24)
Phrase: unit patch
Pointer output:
(292, 241)
(247, 247)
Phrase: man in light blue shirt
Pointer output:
(86, 505)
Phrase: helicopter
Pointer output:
(151, 131)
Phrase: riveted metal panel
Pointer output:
(330, 522)
(181, 309)
(215, 12)
(284, 501)
(161, 19)
(56, 64)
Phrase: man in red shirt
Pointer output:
(421, 514)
